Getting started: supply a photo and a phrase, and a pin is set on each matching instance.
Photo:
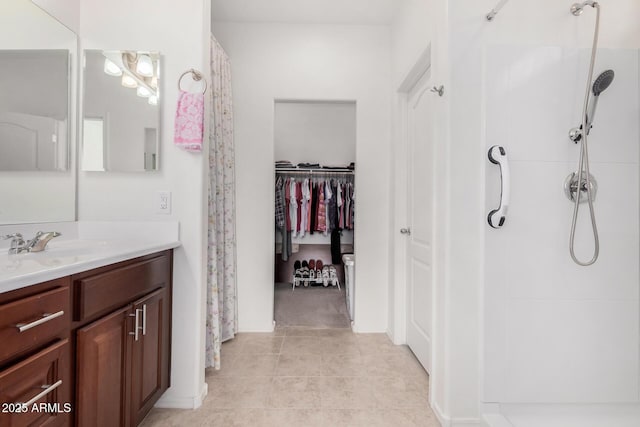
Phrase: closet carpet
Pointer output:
(304, 377)
(313, 306)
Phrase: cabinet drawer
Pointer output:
(37, 391)
(31, 322)
(107, 291)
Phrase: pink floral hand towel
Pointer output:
(189, 126)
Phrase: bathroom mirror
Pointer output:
(121, 111)
(34, 110)
(37, 125)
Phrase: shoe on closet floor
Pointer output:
(319, 271)
(333, 275)
(325, 276)
(312, 271)
(297, 272)
(304, 270)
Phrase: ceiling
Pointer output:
(351, 12)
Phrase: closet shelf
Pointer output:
(289, 171)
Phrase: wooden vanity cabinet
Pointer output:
(122, 357)
(102, 370)
(114, 347)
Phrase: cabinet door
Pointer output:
(150, 354)
(37, 390)
(103, 349)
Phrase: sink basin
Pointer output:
(57, 254)
(74, 247)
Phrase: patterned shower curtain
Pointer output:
(221, 263)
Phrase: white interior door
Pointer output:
(420, 214)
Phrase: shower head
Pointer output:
(602, 82)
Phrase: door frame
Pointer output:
(401, 182)
(398, 329)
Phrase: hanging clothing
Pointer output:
(322, 209)
(305, 210)
(281, 222)
(309, 205)
(287, 200)
(299, 213)
(314, 208)
(328, 200)
(333, 206)
(280, 204)
(293, 207)
(336, 256)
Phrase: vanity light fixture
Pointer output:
(128, 81)
(111, 69)
(144, 66)
(143, 92)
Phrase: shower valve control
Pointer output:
(571, 187)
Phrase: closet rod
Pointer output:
(289, 171)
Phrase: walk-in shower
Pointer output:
(582, 181)
(546, 319)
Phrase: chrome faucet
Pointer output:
(37, 244)
(17, 242)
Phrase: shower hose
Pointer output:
(583, 163)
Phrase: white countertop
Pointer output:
(82, 247)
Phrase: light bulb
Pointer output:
(128, 81)
(143, 92)
(153, 100)
(111, 69)
(144, 66)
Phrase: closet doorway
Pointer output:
(315, 197)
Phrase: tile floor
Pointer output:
(303, 377)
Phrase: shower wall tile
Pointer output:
(572, 351)
(536, 260)
(556, 332)
(535, 96)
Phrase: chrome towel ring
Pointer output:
(195, 75)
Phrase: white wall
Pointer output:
(180, 33)
(65, 11)
(315, 132)
(308, 62)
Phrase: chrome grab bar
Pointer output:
(498, 156)
(48, 388)
(45, 318)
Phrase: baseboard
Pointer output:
(183, 402)
(446, 421)
(203, 393)
(443, 419)
(495, 420)
(260, 330)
